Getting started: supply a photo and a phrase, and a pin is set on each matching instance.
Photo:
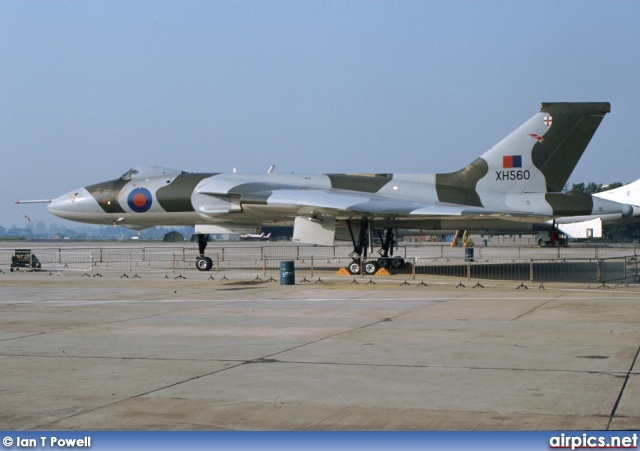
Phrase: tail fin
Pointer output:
(538, 157)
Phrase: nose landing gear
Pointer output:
(203, 263)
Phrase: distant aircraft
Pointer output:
(255, 237)
(512, 187)
(587, 227)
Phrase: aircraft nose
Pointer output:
(74, 205)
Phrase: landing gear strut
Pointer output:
(203, 263)
(359, 247)
(362, 247)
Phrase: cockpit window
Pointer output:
(129, 174)
(126, 175)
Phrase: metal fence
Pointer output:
(540, 270)
(577, 264)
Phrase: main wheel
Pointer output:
(204, 263)
(383, 262)
(370, 267)
(354, 267)
(397, 262)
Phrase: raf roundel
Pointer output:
(139, 200)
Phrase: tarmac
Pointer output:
(110, 353)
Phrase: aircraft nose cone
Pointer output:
(56, 206)
(74, 205)
(62, 205)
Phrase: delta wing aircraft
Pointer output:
(256, 237)
(591, 226)
(511, 187)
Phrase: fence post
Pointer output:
(311, 265)
(599, 270)
(469, 269)
(264, 265)
(413, 268)
(531, 270)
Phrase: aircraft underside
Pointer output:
(364, 232)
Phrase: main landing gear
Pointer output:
(203, 263)
(361, 246)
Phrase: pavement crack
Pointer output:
(536, 307)
(23, 336)
(383, 320)
(338, 412)
(624, 385)
(43, 426)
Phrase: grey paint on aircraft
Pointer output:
(573, 125)
(106, 194)
(460, 187)
(176, 196)
(367, 183)
(572, 203)
(259, 192)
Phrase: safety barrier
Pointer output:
(580, 264)
(70, 261)
(586, 270)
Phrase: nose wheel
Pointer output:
(204, 263)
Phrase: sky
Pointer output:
(91, 89)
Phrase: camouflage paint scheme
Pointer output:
(514, 186)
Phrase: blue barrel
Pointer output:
(468, 254)
(287, 273)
